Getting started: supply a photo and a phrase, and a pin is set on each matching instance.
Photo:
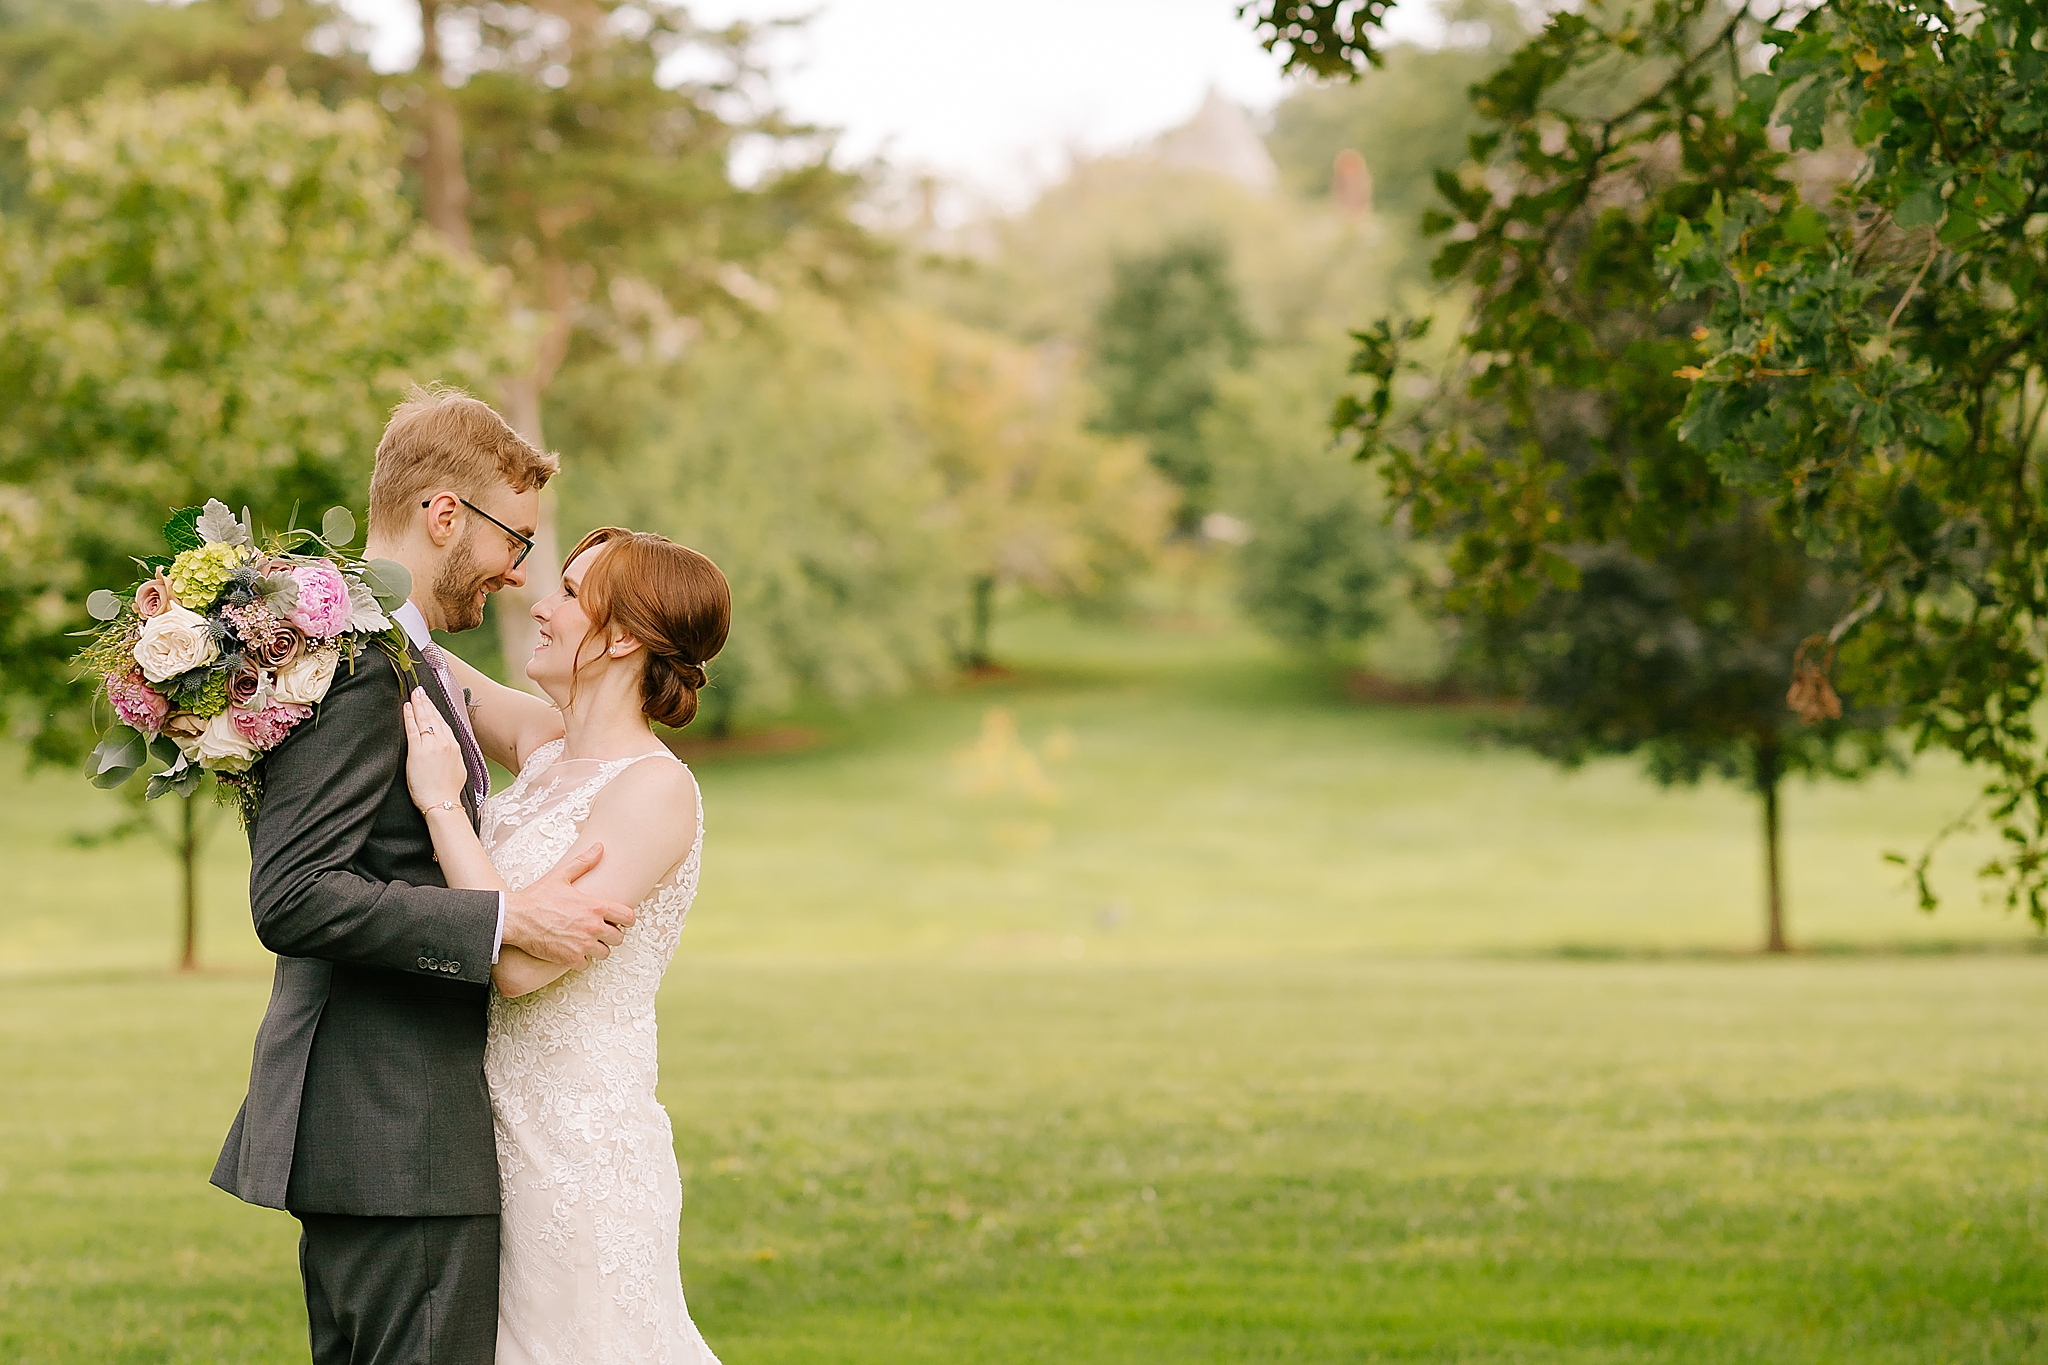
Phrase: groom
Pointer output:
(367, 1115)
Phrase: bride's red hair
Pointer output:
(671, 599)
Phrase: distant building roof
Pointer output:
(1220, 139)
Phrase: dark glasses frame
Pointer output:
(525, 541)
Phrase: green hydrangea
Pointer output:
(197, 576)
(212, 698)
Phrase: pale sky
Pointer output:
(989, 94)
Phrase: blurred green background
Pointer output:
(1118, 940)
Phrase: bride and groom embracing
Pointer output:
(482, 1174)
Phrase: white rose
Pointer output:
(219, 745)
(174, 641)
(305, 680)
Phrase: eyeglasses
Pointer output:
(525, 541)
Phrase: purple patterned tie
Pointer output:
(472, 757)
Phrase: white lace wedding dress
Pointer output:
(586, 1160)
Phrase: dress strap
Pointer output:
(614, 767)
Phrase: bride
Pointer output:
(586, 1162)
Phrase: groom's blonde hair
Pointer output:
(440, 437)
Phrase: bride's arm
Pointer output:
(435, 775)
(646, 819)
(509, 724)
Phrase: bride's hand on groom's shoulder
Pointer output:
(435, 773)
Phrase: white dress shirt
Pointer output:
(416, 631)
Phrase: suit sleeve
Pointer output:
(323, 789)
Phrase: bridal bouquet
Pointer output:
(227, 645)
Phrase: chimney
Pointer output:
(1351, 186)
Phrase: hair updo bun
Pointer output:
(671, 599)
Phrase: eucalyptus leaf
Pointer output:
(338, 527)
(183, 780)
(102, 605)
(389, 581)
(117, 756)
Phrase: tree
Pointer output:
(1323, 38)
(1172, 323)
(540, 140)
(199, 814)
(1029, 495)
(1640, 600)
(1877, 365)
(1320, 557)
(778, 449)
(1873, 364)
(1303, 270)
(1407, 118)
(549, 145)
(1682, 658)
(205, 296)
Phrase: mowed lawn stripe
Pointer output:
(1348, 1160)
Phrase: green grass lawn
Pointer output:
(1826, 1160)
(1212, 1019)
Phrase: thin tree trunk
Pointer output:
(444, 188)
(1767, 781)
(188, 854)
(521, 395)
(723, 698)
(982, 618)
(513, 607)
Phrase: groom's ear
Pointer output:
(439, 513)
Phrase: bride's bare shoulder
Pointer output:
(657, 784)
(649, 807)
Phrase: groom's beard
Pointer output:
(456, 588)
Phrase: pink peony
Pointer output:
(322, 609)
(267, 728)
(139, 706)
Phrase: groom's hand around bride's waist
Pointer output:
(556, 922)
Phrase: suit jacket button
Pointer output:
(423, 964)
(454, 967)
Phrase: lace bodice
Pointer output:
(586, 1160)
(526, 829)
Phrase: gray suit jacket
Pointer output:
(367, 1092)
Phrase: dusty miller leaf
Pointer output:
(218, 526)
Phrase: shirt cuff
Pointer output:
(498, 939)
